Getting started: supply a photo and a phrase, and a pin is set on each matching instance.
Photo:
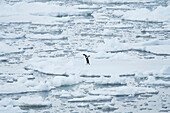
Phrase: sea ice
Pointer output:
(165, 70)
(91, 99)
(123, 91)
(36, 13)
(158, 14)
(36, 101)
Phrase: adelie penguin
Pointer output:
(87, 58)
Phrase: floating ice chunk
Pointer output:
(24, 86)
(78, 94)
(157, 42)
(152, 81)
(46, 37)
(10, 109)
(69, 94)
(5, 49)
(65, 94)
(83, 105)
(91, 99)
(6, 102)
(123, 91)
(33, 12)
(110, 81)
(65, 81)
(3, 59)
(114, 1)
(33, 101)
(159, 14)
(11, 36)
(120, 26)
(166, 70)
(108, 107)
(55, 66)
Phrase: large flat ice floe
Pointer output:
(76, 66)
(36, 101)
(123, 91)
(158, 14)
(8, 49)
(40, 12)
(154, 46)
(91, 99)
(36, 84)
(115, 1)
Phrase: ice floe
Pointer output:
(8, 49)
(11, 36)
(91, 99)
(10, 88)
(66, 81)
(117, 34)
(158, 14)
(114, 80)
(165, 70)
(124, 91)
(57, 66)
(108, 107)
(152, 81)
(46, 37)
(33, 102)
(35, 12)
(76, 66)
(10, 109)
(115, 1)
(25, 85)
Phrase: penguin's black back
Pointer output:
(87, 58)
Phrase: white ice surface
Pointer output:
(66, 81)
(11, 36)
(38, 13)
(5, 48)
(158, 14)
(24, 84)
(123, 91)
(23, 87)
(152, 81)
(91, 99)
(114, 1)
(154, 45)
(46, 37)
(114, 80)
(165, 70)
(33, 100)
(77, 66)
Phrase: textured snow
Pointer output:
(27, 85)
(33, 100)
(91, 99)
(46, 37)
(11, 36)
(37, 12)
(114, 80)
(66, 81)
(165, 70)
(114, 1)
(23, 87)
(153, 81)
(6, 48)
(123, 91)
(68, 66)
(10, 109)
(158, 14)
